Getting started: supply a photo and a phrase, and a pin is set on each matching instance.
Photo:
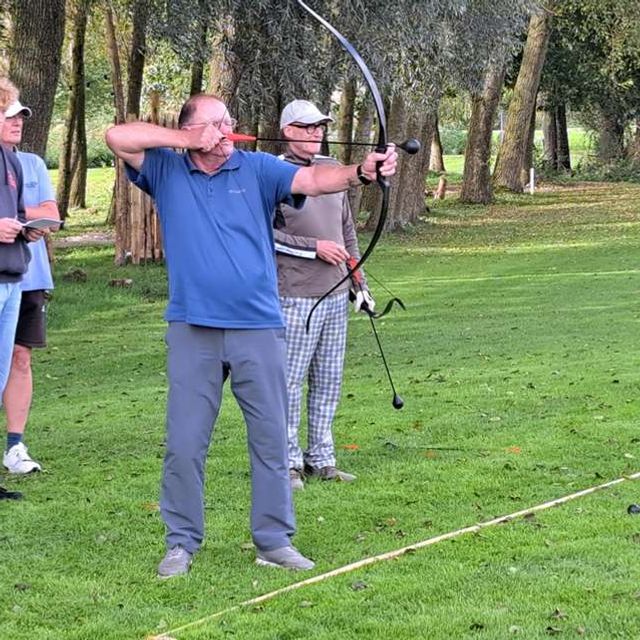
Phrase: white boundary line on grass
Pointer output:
(395, 554)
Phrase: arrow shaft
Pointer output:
(242, 137)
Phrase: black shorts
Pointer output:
(32, 321)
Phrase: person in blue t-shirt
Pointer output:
(40, 202)
(14, 254)
(216, 207)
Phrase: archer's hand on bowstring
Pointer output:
(202, 137)
(389, 161)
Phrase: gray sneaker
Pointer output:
(329, 473)
(296, 479)
(285, 558)
(176, 562)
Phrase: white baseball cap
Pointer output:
(304, 112)
(15, 108)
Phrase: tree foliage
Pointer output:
(594, 62)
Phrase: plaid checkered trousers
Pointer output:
(317, 356)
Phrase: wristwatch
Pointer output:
(363, 179)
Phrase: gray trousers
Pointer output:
(199, 361)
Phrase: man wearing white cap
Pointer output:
(14, 253)
(313, 246)
(39, 200)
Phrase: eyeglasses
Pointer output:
(311, 128)
(229, 123)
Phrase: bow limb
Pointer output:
(381, 147)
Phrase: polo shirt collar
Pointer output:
(232, 162)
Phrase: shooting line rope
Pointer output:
(390, 555)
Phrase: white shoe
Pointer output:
(18, 460)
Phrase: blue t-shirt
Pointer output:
(218, 236)
(37, 189)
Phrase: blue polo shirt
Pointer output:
(218, 236)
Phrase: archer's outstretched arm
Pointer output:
(322, 178)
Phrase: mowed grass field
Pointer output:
(517, 361)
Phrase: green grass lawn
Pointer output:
(517, 361)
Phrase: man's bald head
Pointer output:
(198, 102)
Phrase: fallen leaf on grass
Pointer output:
(514, 449)
(151, 506)
(431, 454)
(558, 615)
(120, 282)
(350, 447)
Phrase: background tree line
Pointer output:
(82, 64)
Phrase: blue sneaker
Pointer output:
(284, 558)
(176, 562)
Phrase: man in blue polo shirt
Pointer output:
(216, 206)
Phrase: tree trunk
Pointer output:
(197, 76)
(406, 199)
(634, 147)
(38, 32)
(528, 155)
(611, 139)
(119, 212)
(550, 133)
(270, 125)
(564, 153)
(77, 197)
(476, 180)
(409, 205)
(372, 197)
(345, 119)
(114, 62)
(511, 155)
(74, 120)
(197, 66)
(396, 127)
(364, 125)
(137, 56)
(436, 159)
(6, 30)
